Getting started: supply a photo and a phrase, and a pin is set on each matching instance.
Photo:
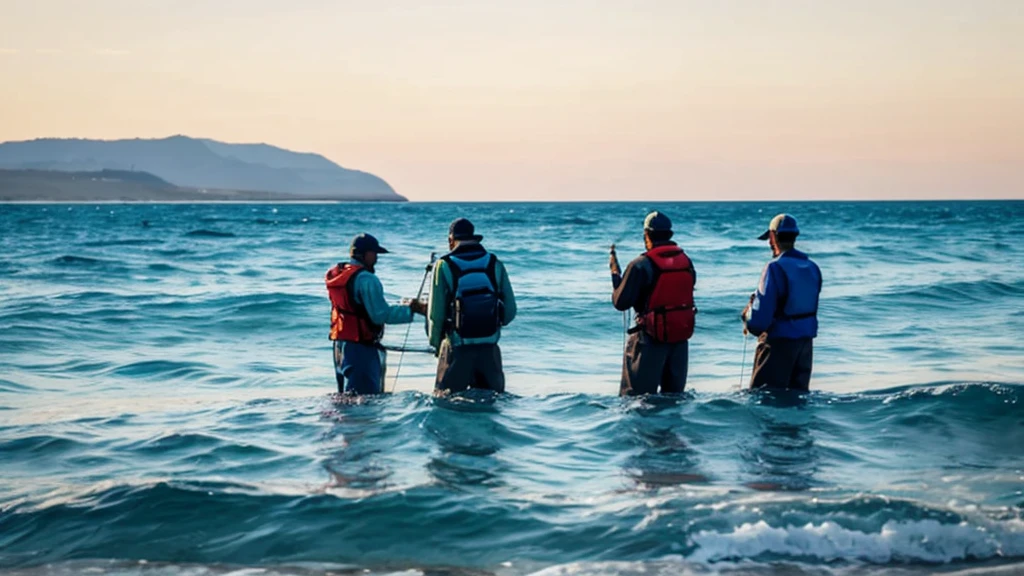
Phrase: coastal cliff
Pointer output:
(191, 168)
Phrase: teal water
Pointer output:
(164, 397)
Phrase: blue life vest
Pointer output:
(802, 287)
(476, 307)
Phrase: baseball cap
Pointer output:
(463, 229)
(783, 223)
(364, 243)
(657, 222)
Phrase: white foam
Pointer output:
(897, 541)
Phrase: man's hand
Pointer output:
(418, 307)
(613, 262)
(745, 313)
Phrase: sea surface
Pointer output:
(166, 407)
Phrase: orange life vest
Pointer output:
(669, 315)
(349, 320)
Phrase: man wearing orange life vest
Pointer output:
(658, 286)
(358, 315)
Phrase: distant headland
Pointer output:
(178, 168)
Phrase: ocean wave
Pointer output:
(896, 541)
(465, 470)
(157, 521)
(578, 221)
(7, 268)
(124, 242)
(203, 233)
(668, 567)
(175, 252)
(84, 261)
(955, 293)
(38, 446)
(163, 369)
(13, 387)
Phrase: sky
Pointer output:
(548, 99)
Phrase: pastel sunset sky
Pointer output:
(550, 100)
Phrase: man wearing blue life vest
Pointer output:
(358, 315)
(658, 286)
(471, 298)
(783, 312)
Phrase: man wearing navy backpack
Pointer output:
(471, 298)
(783, 312)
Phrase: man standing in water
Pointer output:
(358, 315)
(783, 312)
(471, 298)
(658, 286)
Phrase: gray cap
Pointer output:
(657, 222)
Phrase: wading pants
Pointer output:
(780, 363)
(651, 367)
(470, 366)
(359, 368)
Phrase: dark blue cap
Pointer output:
(462, 229)
(657, 222)
(781, 224)
(364, 243)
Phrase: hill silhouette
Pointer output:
(204, 165)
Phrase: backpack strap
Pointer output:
(492, 273)
(455, 270)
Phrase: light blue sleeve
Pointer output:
(370, 294)
(762, 312)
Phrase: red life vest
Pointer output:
(669, 315)
(349, 320)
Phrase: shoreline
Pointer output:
(41, 186)
(176, 202)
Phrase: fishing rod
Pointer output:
(408, 329)
(403, 349)
(625, 313)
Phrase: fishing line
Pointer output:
(743, 363)
(625, 329)
(408, 329)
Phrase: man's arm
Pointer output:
(437, 306)
(508, 297)
(762, 309)
(627, 292)
(370, 294)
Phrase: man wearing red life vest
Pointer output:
(658, 286)
(358, 315)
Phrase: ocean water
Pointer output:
(165, 400)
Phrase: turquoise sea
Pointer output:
(166, 408)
